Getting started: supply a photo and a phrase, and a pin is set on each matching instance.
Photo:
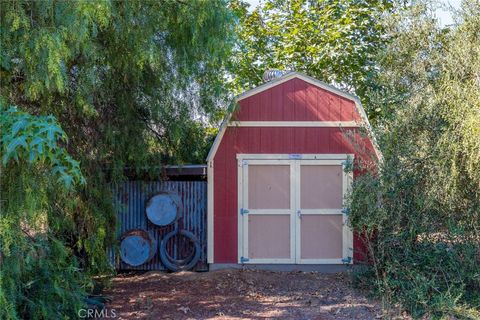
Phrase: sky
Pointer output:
(443, 15)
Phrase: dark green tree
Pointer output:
(132, 83)
(335, 41)
(39, 276)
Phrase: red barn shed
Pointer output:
(276, 178)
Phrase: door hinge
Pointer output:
(244, 211)
(347, 260)
(244, 162)
(243, 259)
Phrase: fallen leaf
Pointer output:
(184, 309)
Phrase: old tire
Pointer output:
(184, 264)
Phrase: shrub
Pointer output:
(421, 210)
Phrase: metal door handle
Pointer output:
(299, 214)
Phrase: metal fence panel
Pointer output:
(131, 198)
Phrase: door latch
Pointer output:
(299, 214)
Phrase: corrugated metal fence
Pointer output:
(131, 199)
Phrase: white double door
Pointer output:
(291, 210)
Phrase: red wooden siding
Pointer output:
(264, 140)
(293, 100)
(296, 100)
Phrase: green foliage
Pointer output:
(334, 41)
(421, 211)
(132, 84)
(34, 139)
(36, 265)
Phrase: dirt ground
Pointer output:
(239, 294)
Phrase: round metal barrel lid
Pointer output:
(136, 247)
(163, 209)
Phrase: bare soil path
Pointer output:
(239, 294)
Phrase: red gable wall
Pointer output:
(294, 100)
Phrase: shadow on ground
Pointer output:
(239, 294)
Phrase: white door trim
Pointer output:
(347, 234)
(243, 203)
(302, 159)
(210, 217)
(240, 193)
(295, 156)
(347, 231)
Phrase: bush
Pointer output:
(421, 210)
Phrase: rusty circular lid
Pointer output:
(163, 208)
(136, 247)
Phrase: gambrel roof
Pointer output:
(289, 76)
